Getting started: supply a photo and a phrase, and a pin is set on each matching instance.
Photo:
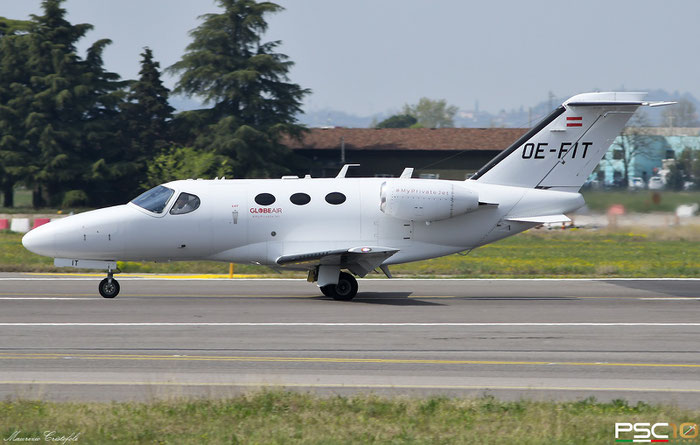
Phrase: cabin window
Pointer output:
(300, 199)
(265, 199)
(185, 203)
(155, 199)
(335, 198)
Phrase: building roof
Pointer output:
(407, 138)
(664, 131)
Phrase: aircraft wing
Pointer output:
(542, 219)
(359, 260)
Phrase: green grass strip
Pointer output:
(578, 253)
(280, 417)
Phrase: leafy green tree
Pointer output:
(675, 177)
(186, 162)
(432, 113)
(683, 170)
(398, 121)
(246, 80)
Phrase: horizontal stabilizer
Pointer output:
(543, 219)
(610, 104)
(659, 104)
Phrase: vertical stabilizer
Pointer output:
(565, 147)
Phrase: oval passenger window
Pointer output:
(265, 199)
(335, 198)
(300, 199)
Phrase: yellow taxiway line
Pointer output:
(55, 356)
(159, 276)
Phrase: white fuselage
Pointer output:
(341, 227)
(230, 226)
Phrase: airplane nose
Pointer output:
(40, 240)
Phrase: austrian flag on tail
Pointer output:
(574, 121)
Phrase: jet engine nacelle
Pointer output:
(426, 200)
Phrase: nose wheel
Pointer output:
(109, 287)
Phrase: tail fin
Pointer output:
(563, 149)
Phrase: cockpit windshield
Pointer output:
(155, 199)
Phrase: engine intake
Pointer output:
(426, 200)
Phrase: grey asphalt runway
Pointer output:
(537, 339)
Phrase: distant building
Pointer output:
(447, 153)
(456, 153)
(653, 146)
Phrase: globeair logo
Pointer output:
(265, 210)
(656, 433)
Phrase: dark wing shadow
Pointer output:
(387, 298)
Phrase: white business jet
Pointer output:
(336, 228)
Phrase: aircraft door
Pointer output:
(236, 219)
(231, 221)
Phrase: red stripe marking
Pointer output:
(574, 118)
(574, 124)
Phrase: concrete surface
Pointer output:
(539, 339)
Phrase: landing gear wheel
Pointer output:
(346, 289)
(329, 290)
(109, 288)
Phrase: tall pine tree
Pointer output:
(71, 122)
(146, 115)
(147, 111)
(14, 91)
(246, 80)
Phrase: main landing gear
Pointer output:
(109, 287)
(345, 290)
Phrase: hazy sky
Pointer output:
(370, 56)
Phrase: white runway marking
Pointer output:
(46, 298)
(670, 298)
(340, 324)
(304, 296)
(49, 279)
(157, 278)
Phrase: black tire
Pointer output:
(329, 290)
(346, 289)
(109, 288)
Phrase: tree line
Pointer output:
(77, 134)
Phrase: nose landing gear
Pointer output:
(109, 287)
